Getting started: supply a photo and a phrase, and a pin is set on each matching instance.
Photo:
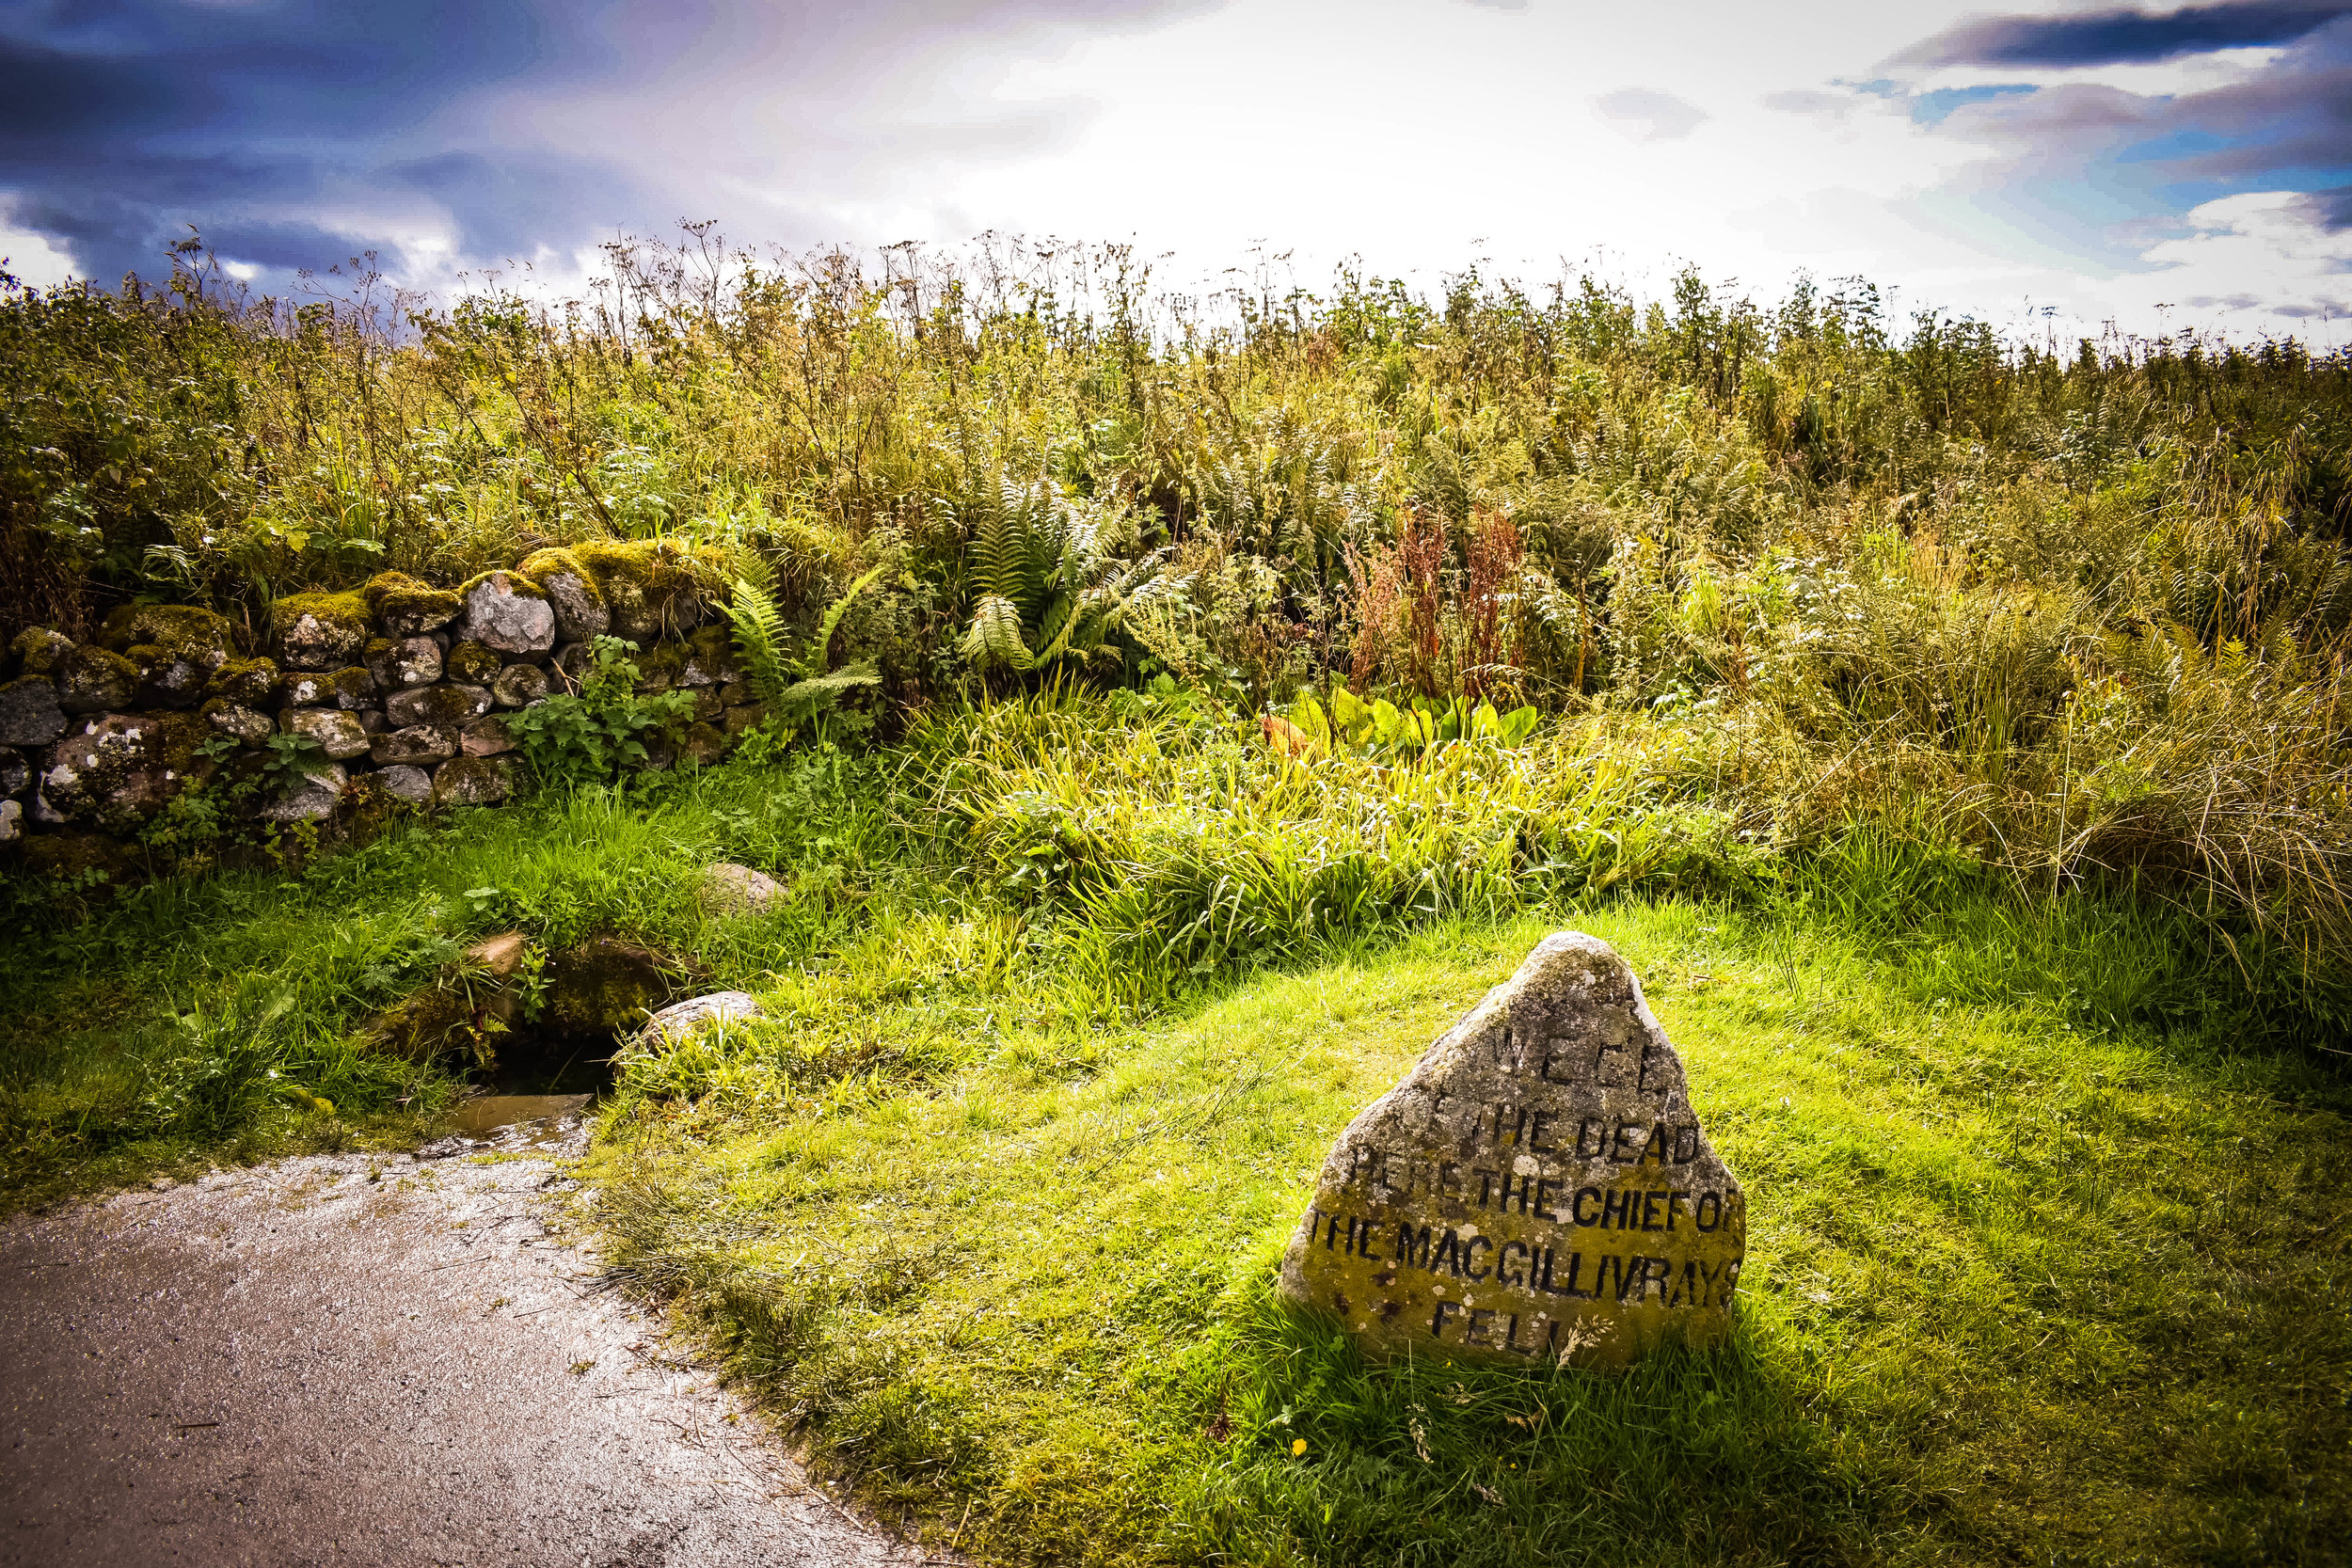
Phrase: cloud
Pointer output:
(294, 131)
(2122, 35)
(1655, 116)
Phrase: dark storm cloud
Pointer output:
(279, 127)
(2122, 35)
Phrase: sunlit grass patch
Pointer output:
(2011, 1291)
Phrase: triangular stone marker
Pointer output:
(1538, 1187)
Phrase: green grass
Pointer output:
(2047, 1214)
(2015, 1290)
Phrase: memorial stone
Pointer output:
(1538, 1187)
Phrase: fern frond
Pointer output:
(759, 636)
(993, 640)
(821, 653)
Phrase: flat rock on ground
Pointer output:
(371, 1359)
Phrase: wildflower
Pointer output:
(1298, 1446)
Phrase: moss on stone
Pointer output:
(647, 584)
(250, 682)
(473, 781)
(515, 583)
(659, 666)
(402, 607)
(320, 630)
(712, 650)
(200, 635)
(607, 985)
(94, 680)
(472, 664)
(355, 689)
(38, 649)
(67, 857)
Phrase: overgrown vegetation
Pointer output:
(1180, 709)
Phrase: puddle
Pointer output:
(495, 1112)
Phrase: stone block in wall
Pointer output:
(399, 664)
(319, 631)
(94, 680)
(485, 736)
(749, 716)
(448, 706)
(335, 732)
(518, 685)
(412, 784)
(704, 743)
(38, 648)
(473, 781)
(736, 693)
(29, 714)
(16, 774)
(708, 707)
(573, 661)
(251, 682)
(404, 607)
(166, 679)
(352, 689)
(472, 664)
(649, 586)
(237, 722)
(313, 799)
(507, 612)
(120, 768)
(572, 592)
(710, 658)
(189, 633)
(413, 745)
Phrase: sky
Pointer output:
(2048, 169)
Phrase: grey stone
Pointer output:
(111, 773)
(451, 705)
(416, 743)
(239, 722)
(1538, 1188)
(314, 798)
(733, 889)
(29, 714)
(519, 684)
(11, 819)
(580, 610)
(573, 661)
(504, 612)
(168, 680)
(413, 785)
(415, 662)
(485, 736)
(337, 733)
(352, 689)
(15, 773)
(682, 1020)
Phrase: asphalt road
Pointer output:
(342, 1359)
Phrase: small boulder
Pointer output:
(114, 773)
(680, 1021)
(518, 685)
(731, 889)
(15, 774)
(352, 691)
(412, 784)
(168, 679)
(29, 714)
(237, 722)
(319, 631)
(448, 706)
(201, 637)
(411, 661)
(572, 594)
(93, 680)
(405, 608)
(335, 732)
(11, 821)
(314, 798)
(473, 781)
(485, 736)
(471, 664)
(412, 745)
(609, 985)
(251, 682)
(500, 956)
(509, 612)
(703, 744)
(38, 648)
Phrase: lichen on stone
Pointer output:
(404, 607)
(581, 611)
(319, 631)
(472, 663)
(250, 681)
(38, 649)
(188, 632)
(95, 680)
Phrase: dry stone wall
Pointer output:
(402, 687)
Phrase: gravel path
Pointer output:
(354, 1359)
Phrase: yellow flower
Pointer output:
(1298, 1446)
